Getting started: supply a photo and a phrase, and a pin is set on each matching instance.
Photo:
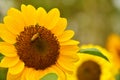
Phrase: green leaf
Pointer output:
(1, 56)
(118, 76)
(1, 40)
(93, 51)
(3, 73)
(50, 76)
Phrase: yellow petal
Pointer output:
(31, 74)
(13, 77)
(7, 35)
(9, 61)
(52, 69)
(17, 68)
(66, 35)
(60, 26)
(41, 14)
(7, 49)
(14, 13)
(15, 26)
(23, 73)
(71, 56)
(67, 62)
(14, 21)
(113, 41)
(29, 14)
(60, 72)
(70, 42)
(52, 18)
(70, 48)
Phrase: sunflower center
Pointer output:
(37, 47)
(118, 52)
(89, 70)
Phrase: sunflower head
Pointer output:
(35, 43)
(90, 67)
(113, 45)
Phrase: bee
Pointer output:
(35, 36)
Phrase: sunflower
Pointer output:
(90, 67)
(35, 43)
(113, 45)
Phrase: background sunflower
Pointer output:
(113, 45)
(91, 67)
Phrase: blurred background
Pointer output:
(92, 20)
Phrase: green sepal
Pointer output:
(50, 76)
(1, 40)
(93, 51)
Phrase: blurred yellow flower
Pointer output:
(90, 67)
(113, 45)
(36, 43)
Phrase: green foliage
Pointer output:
(118, 76)
(1, 56)
(50, 76)
(3, 71)
(1, 40)
(93, 51)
